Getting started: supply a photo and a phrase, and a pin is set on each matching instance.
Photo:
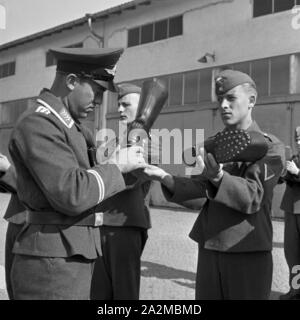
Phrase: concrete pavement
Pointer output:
(169, 259)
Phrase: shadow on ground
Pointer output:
(150, 269)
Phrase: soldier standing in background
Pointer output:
(291, 206)
(126, 220)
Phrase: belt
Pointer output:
(94, 219)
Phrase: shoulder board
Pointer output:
(63, 114)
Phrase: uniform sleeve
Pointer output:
(186, 189)
(41, 144)
(8, 180)
(246, 194)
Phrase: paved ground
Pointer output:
(169, 259)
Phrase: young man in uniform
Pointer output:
(234, 229)
(59, 183)
(291, 206)
(123, 234)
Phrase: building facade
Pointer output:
(183, 42)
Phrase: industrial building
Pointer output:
(186, 43)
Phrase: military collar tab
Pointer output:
(63, 115)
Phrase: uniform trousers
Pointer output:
(117, 273)
(233, 276)
(12, 231)
(45, 278)
(292, 241)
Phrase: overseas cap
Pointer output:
(127, 88)
(228, 79)
(98, 64)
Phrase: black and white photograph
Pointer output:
(150, 151)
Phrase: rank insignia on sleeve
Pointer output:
(42, 109)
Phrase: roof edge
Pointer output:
(131, 5)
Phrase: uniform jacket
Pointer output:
(129, 208)
(15, 211)
(237, 215)
(54, 174)
(291, 197)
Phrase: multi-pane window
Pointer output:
(7, 69)
(264, 7)
(155, 31)
(272, 75)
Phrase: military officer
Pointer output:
(59, 184)
(234, 229)
(15, 215)
(123, 234)
(291, 206)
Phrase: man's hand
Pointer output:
(4, 163)
(158, 174)
(211, 169)
(128, 159)
(292, 168)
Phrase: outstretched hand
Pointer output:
(211, 169)
(4, 163)
(292, 168)
(128, 159)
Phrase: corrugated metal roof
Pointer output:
(131, 5)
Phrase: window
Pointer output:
(10, 111)
(264, 7)
(50, 60)
(205, 85)
(147, 33)
(283, 5)
(260, 74)
(175, 26)
(191, 84)
(280, 75)
(160, 30)
(155, 31)
(7, 69)
(133, 37)
(243, 67)
(175, 93)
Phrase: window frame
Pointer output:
(273, 9)
(11, 69)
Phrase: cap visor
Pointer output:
(110, 86)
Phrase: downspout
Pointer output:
(100, 114)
